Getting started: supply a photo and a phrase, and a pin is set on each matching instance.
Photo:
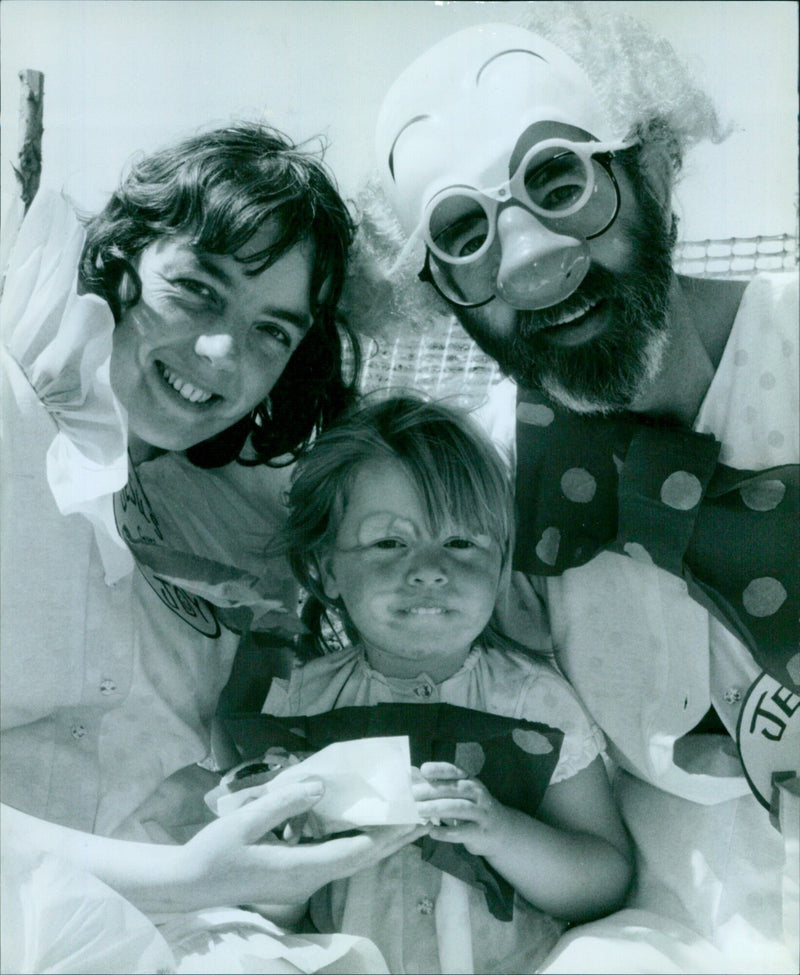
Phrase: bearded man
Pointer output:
(657, 454)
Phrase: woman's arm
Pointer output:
(224, 864)
(573, 861)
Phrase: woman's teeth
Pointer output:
(426, 611)
(185, 388)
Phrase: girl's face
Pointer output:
(417, 599)
(206, 343)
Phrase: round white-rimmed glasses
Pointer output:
(570, 188)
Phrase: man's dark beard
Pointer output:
(606, 373)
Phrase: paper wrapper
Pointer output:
(367, 783)
(514, 759)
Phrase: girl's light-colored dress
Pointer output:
(394, 903)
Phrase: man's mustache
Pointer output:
(599, 284)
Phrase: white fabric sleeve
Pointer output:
(549, 698)
(61, 342)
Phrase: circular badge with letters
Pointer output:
(768, 734)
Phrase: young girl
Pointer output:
(401, 521)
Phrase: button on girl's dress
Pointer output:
(107, 686)
(423, 690)
(732, 696)
(425, 905)
(78, 731)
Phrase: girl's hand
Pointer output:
(238, 860)
(461, 809)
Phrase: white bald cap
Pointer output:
(453, 117)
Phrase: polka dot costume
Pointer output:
(717, 506)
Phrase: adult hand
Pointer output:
(238, 860)
(461, 809)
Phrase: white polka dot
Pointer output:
(470, 757)
(775, 438)
(637, 552)
(531, 741)
(681, 491)
(766, 380)
(547, 546)
(740, 357)
(578, 485)
(763, 596)
(763, 495)
(793, 668)
(537, 414)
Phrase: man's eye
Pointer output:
(463, 236)
(388, 543)
(471, 245)
(560, 197)
(557, 183)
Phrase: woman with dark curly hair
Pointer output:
(163, 362)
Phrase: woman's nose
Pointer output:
(217, 349)
(538, 267)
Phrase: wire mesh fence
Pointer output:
(737, 257)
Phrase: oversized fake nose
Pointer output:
(538, 267)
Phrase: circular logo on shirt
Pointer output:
(768, 734)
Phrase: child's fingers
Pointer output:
(446, 789)
(454, 831)
(441, 771)
(446, 810)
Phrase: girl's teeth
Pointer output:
(426, 611)
(186, 389)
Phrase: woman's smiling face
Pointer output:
(206, 342)
(417, 597)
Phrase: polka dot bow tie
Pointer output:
(655, 492)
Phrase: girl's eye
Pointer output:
(389, 543)
(460, 543)
(277, 332)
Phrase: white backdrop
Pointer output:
(124, 75)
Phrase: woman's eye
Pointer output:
(277, 332)
(460, 543)
(194, 287)
(388, 543)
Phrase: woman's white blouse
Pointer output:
(110, 678)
